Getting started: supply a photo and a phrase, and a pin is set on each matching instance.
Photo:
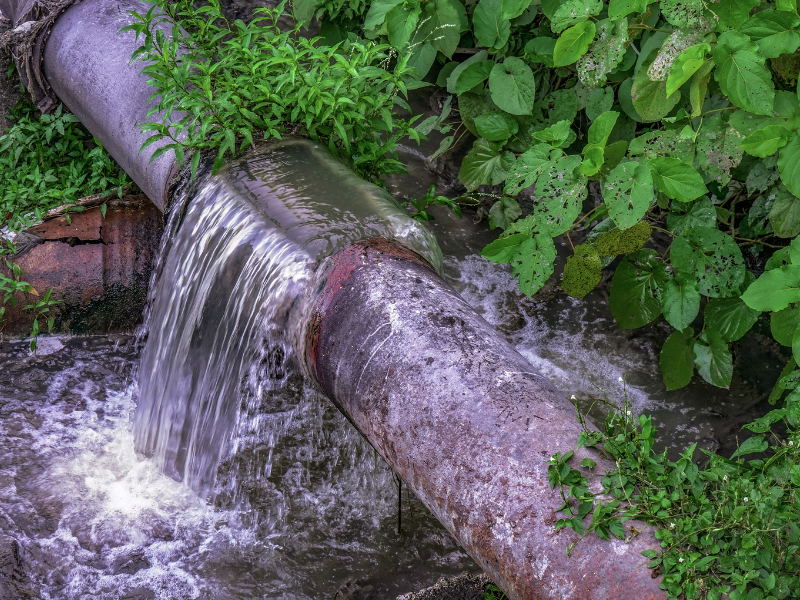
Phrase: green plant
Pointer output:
(732, 527)
(431, 199)
(684, 113)
(234, 81)
(46, 161)
(493, 593)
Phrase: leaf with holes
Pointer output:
(560, 192)
(570, 12)
(527, 168)
(700, 214)
(733, 13)
(712, 257)
(686, 65)
(532, 264)
(628, 192)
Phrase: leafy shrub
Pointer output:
(45, 161)
(731, 528)
(686, 116)
(234, 81)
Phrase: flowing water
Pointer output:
(255, 486)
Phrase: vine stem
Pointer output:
(663, 230)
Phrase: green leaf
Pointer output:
(784, 216)
(496, 126)
(741, 73)
(570, 12)
(636, 289)
(503, 249)
(621, 8)
(540, 50)
(401, 24)
(593, 159)
(560, 192)
(789, 164)
(555, 135)
(680, 301)
(676, 361)
(677, 179)
(512, 86)
(712, 257)
(441, 26)
(628, 193)
(686, 65)
(784, 324)
(600, 101)
(601, 128)
(474, 74)
(649, 97)
(730, 317)
(532, 265)
(699, 88)
(700, 214)
(485, 164)
(511, 9)
(573, 43)
(491, 29)
(582, 271)
(733, 12)
(478, 58)
(757, 443)
(765, 142)
(504, 212)
(422, 59)
(774, 32)
(775, 289)
(375, 16)
(714, 360)
(718, 149)
(527, 168)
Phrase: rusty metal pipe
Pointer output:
(466, 422)
(87, 63)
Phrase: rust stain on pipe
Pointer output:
(466, 422)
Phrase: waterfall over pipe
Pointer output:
(220, 322)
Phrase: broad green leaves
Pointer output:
(485, 164)
(742, 75)
(774, 290)
(573, 43)
(491, 29)
(713, 359)
(650, 98)
(636, 289)
(764, 142)
(686, 65)
(774, 32)
(784, 215)
(676, 179)
(512, 86)
(504, 212)
(496, 126)
(680, 301)
(677, 359)
(605, 54)
(712, 257)
(527, 168)
(560, 191)
(789, 164)
(570, 12)
(731, 317)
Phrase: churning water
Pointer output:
(255, 486)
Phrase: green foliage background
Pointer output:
(686, 114)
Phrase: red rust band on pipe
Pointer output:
(466, 422)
